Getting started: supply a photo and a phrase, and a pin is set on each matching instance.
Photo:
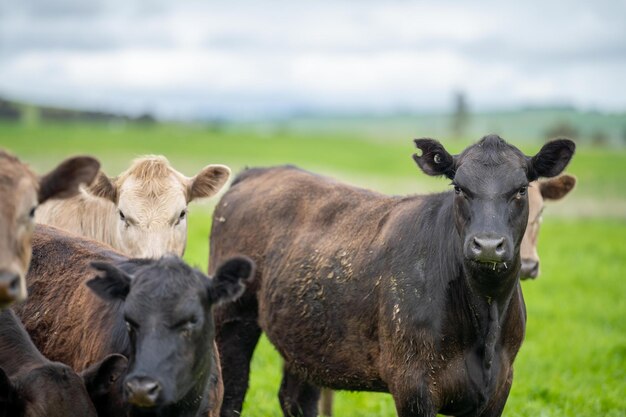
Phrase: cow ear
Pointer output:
(101, 376)
(230, 279)
(435, 160)
(104, 187)
(112, 284)
(7, 390)
(208, 181)
(551, 160)
(557, 188)
(64, 180)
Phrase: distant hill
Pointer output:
(536, 124)
(16, 111)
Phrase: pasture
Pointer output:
(573, 360)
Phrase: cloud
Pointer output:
(185, 59)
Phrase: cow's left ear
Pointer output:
(435, 160)
(551, 160)
(101, 376)
(558, 187)
(208, 181)
(63, 181)
(230, 279)
(112, 284)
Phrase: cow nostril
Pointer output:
(152, 389)
(476, 245)
(500, 247)
(14, 286)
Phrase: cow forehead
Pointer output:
(161, 290)
(492, 179)
(162, 195)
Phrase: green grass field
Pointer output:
(573, 360)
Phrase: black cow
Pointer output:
(32, 386)
(418, 296)
(167, 309)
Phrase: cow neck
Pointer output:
(488, 314)
(16, 345)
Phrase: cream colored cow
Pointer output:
(142, 212)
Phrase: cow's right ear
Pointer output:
(104, 187)
(64, 180)
(111, 284)
(7, 391)
(558, 187)
(101, 376)
(435, 160)
(230, 279)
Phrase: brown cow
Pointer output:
(418, 296)
(20, 192)
(72, 325)
(30, 384)
(142, 212)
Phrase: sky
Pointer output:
(181, 59)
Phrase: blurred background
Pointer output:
(341, 88)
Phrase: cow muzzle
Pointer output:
(143, 392)
(10, 289)
(530, 269)
(488, 251)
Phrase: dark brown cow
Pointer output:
(20, 193)
(417, 296)
(71, 324)
(33, 386)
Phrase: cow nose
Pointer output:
(488, 249)
(530, 268)
(9, 288)
(142, 391)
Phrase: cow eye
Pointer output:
(122, 217)
(181, 217)
(457, 189)
(522, 191)
(31, 213)
(131, 326)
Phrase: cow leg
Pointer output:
(297, 398)
(236, 340)
(326, 402)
